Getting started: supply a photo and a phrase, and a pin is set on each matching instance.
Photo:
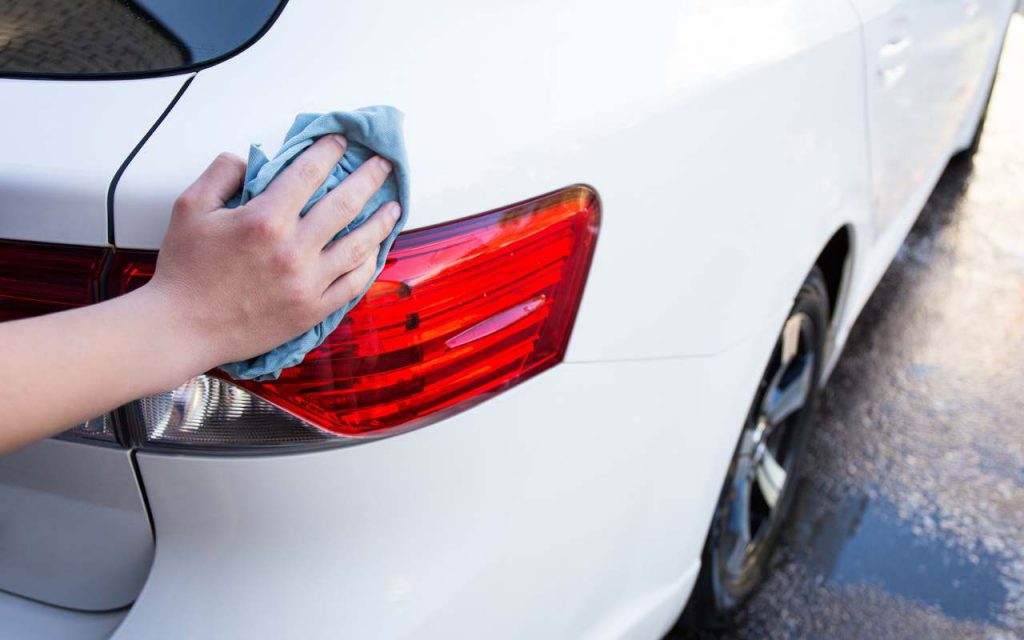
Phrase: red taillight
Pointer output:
(38, 278)
(461, 311)
(129, 270)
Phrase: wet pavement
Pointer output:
(910, 518)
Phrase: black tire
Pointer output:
(723, 584)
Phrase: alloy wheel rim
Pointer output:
(764, 461)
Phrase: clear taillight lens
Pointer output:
(210, 414)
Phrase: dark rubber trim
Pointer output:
(131, 156)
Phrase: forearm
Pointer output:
(64, 368)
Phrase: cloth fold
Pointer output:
(370, 131)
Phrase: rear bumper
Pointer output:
(574, 505)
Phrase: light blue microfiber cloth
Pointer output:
(370, 131)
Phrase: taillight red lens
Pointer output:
(38, 278)
(461, 311)
(129, 270)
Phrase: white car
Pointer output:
(576, 397)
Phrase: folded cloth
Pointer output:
(369, 131)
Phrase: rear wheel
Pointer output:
(758, 491)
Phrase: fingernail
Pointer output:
(395, 212)
(340, 139)
(384, 164)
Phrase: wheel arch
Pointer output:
(836, 262)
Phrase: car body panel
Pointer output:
(64, 142)
(74, 530)
(528, 516)
(925, 66)
(26, 619)
(871, 262)
(657, 127)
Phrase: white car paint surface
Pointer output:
(729, 142)
(63, 142)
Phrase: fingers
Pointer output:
(347, 287)
(339, 207)
(352, 250)
(221, 180)
(288, 192)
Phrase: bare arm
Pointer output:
(229, 284)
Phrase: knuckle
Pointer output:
(225, 157)
(360, 251)
(297, 293)
(186, 203)
(288, 260)
(264, 228)
(231, 160)
(347, 289)
(347, 255)
(347, 203)
(298, 296)
(310, 174)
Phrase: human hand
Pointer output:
(243, 281)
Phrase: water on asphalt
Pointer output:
(910, 518)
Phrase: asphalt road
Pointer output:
(910, 517)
